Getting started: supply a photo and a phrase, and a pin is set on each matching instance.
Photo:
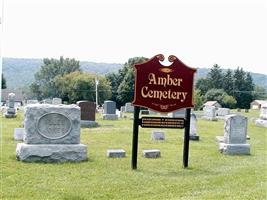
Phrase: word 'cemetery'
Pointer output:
(163, 81)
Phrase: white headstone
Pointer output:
(129, 108)
(235, 135)
(11, 100)
(210, 113)
(179, 113)
(56, 101)
(223, 111)
(193, 127)
(263, 112)
(19, 133)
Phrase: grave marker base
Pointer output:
(88, 124)
(234, 149)
(51, 153)
(110, 117)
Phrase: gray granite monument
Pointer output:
(222, 112)
(209, 113)
(11, 110)
(262, 121)
(110, 111)
(234, 141)
(52, 134)
(129, 108)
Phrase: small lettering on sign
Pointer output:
(160, 122)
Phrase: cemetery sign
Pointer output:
(163, 89)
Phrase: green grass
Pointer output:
(210, 175)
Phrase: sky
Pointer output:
(201, 33)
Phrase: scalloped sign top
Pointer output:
(163, 88)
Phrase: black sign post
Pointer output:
(135, 137)
(160, 122)
(186, 137)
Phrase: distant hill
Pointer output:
(19, 72)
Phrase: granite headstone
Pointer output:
(11, 110)
(235, 136)
(52, 134)
(110, 111)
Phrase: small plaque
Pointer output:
(162, 122)
(54, 125)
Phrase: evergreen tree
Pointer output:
(215, 77)
(248, 93)
(243, 88)
(203, 86)
(3, 82)
(228, 83)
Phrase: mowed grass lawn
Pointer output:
(210, 175)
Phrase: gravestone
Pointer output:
(52, 134)
(122, 108)
(144, 112)
(263, 112)
(47, 101)
(56, 101)
(129, 108)
(19, 133)
(31, 101)
(152, 153)
(177, 114)
(235, 136)
(222, 112)
(116, 153)
(88, 110)
(262, 121)
(193, 128)
(110, 111)
(11, 110)
(118, 113)
(209, 113)
(157, 135)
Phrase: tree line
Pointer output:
(64, 78)
(232, 89)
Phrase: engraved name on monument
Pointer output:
(54, 125)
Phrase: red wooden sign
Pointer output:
(163, 88)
